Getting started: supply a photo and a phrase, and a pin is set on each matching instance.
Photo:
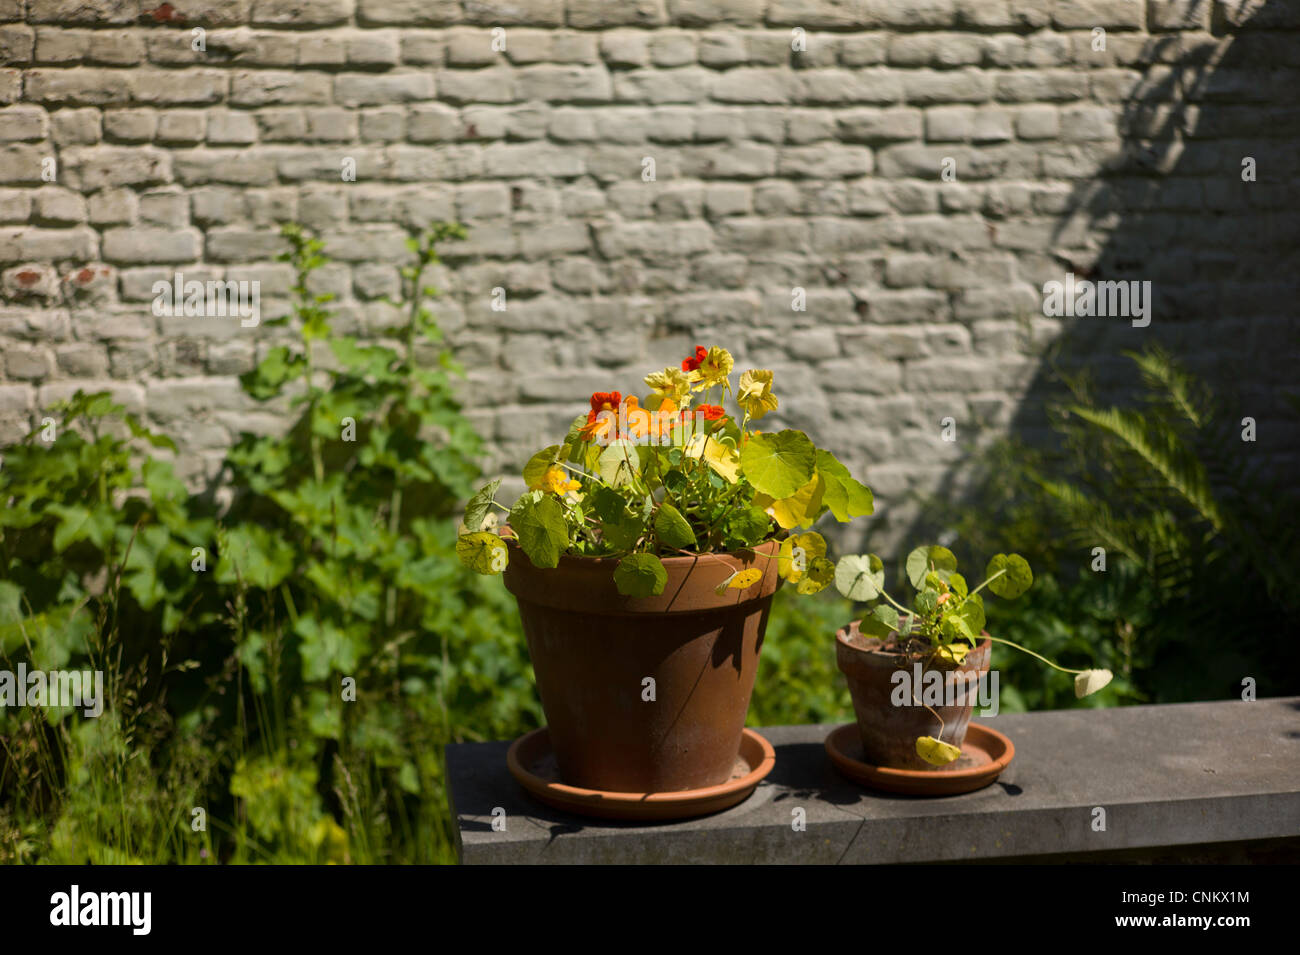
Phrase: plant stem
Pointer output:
(1054, 666)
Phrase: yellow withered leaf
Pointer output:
(740, 580)
(797, 553)
(482, 552)
(1090, 681)
(953, 652)
(935, 751)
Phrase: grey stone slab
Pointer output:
(1185, 774)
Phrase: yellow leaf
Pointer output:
(721, 457)
(820, 574)
(935, 751)
(740, 580)
(801, 508)
(482, 552)
(953, 652)
(798, 551)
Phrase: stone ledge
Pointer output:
(1201, 775)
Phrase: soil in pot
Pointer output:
(644, 694)
(889, 727)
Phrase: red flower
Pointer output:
(712, 412)
(605, 401)
(693, 363)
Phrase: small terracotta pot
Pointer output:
(889, 730)
(593, 650)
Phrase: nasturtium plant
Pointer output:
(946, 619)
(673, 472)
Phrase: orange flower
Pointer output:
(712, 412)
(693, 363)
(601, 401)
(638, 418)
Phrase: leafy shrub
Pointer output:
(1199, 543)
(300, 687)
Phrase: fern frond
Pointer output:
(1089, 520)
(1164, 452)
(1172, 384)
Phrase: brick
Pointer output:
(699, 13)
(923, 87)
(366, 90)
(130, 125)
(1086, 14)
(1037, 122)
(301, 13)
(82, 12)
(418, 13)
(278, 88)
(96, 167)
(27, 244)
(140, 245)
(88, 87)
(600, 14)
(112, 207)
(23, 123)
(17, 43)
(231, 128)
(59, 207)
(565, 84)
(182, 127)
(167, 88)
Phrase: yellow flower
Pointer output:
(714, 369)
(755, 394)
(671, 384)
(556, 481)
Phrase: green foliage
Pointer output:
(798, 680)
(1200, 545)
(79, 545)
(299, 674)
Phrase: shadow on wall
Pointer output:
(1221, 252)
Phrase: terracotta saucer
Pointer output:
(532, 763)
(985, 753)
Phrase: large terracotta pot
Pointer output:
(889, 731)
(593, 650)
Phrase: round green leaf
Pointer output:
(476, 511)
(673, 529)
(619, 463)
(860, 576)
(927, 558)
(538, 522)
(1009, 575)
(879, 621)
(640, 575)
(778, 464)
(482, 552)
